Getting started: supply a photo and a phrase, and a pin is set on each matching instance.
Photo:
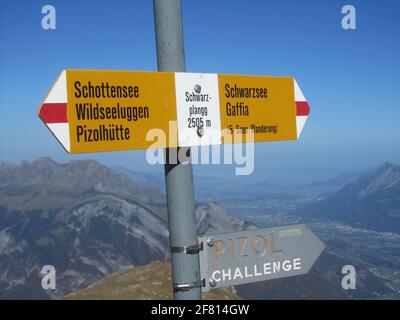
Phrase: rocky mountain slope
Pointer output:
(86, 220)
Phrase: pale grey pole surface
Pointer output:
(178, 177)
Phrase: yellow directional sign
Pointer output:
(93, 111)
(263, 105)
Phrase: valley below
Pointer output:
(94, 223)
(376, 251)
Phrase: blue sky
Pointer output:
(348, 76)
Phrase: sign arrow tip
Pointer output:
(53, 111)
(302, 108)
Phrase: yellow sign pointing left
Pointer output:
(91, 111)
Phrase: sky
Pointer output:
(349, 77)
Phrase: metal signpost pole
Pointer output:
(178, 176)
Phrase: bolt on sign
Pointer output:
(229, 259)
(93, 111)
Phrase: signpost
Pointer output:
(185, 265)
(97, 110)
(94, 111)
(229, 259)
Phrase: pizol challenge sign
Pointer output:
(250, 256)
(92, 111)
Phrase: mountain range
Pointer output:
(371, 201)
(86, 220)
(90, 222)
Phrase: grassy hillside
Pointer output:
(152, 281)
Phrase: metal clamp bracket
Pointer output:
(190, 285)
(188, 249)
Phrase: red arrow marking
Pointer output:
(302, 108)
(54, 113)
